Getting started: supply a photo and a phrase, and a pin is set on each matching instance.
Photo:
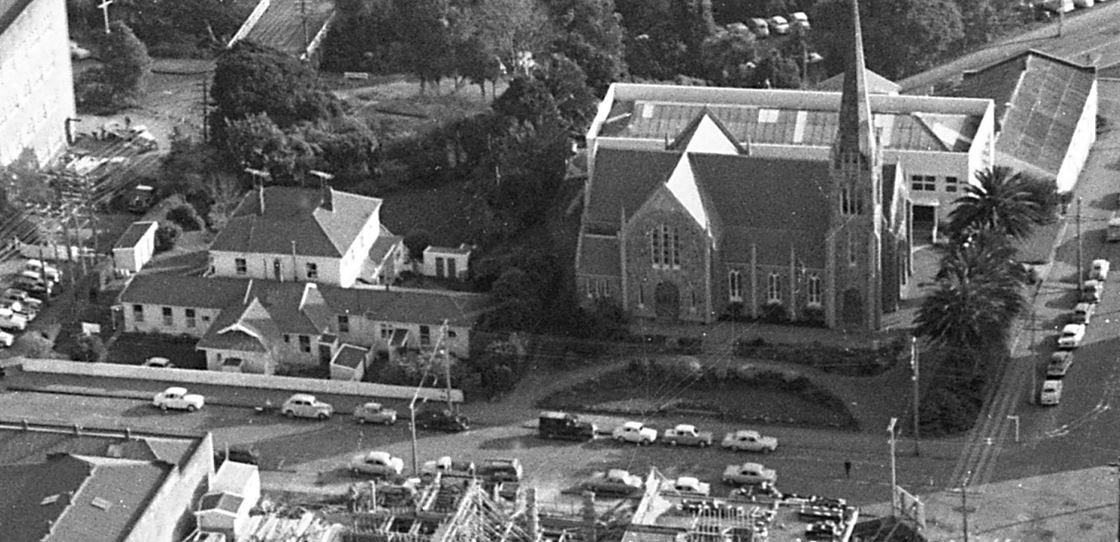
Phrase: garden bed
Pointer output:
(841, 360)
(741, 394)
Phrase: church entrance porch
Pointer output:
(666, 301)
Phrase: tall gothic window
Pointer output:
(852, 249)
(735, 285)
(665, 247)
(815, 289)
(774, 288)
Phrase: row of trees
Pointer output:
(980, 287)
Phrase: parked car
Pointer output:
(1092, 291)
(43, 270)
(749, 473)
(688, 485)
(561, 425)
(778, 25)
(36, 287)
(1083, 3)
(305, 405)
(501, 469)
(615, 482)
(158, 362)
(1071, 337)
(1099, 270)
(442, 420)
(445, 466)
(1051, 392)
(375, 413)
(799, 19)
(140, 199)
(1083, 313)
(1060, 363)
(77, 52)
(377, 464)
(634, 432)
(758, 27)
(6, 339)
(15, 306)
(687, 435)
(238, 453)
(10, 319)
(15, 294)
(176, 397)
(750, 441)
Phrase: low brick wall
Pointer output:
(193, 378)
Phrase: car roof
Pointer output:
(632, 424)
(1073, 328)
(752, 466)
(1100, 261)
(176, 389)
(746, 432)
(1061, 355)
(618, 473)
(1084, 305)
(685, 426)
(302, 397)
(377, 454)
(1051, 383)
(372, 405)
(681, 480)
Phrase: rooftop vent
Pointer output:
(100, 503)
(49, 500)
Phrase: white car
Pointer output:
(1099, 270)
(614, 481)
(1071, 337)
(1051, 392)
(377, 464)
(1083, 313)
(445, 466)
(750, 441)
(748, 473)
(10, 319)
(305, 405)
(688, 485)
(634, 432)
(375, 413)
(159, 362)
(1093, 291)
(778, 25)
(47, 272)
(177, 398)
(6, 339)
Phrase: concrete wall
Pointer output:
(262, 266)
(169, 514)
(36, 84)
(187, 377)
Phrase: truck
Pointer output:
(561, 425)
(686, 435)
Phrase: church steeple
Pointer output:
(856, 132)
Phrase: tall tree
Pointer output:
(589, 33)
(695, 24)
(127, 64)
(1005, 201)
(729, 59)
(429, 30)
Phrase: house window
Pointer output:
(735, 285)
(951, 184)
(425, 336)
(304, 343)
(386, 331)
(138, 313)
(815, 289)
(312, 271)
(451, 334)
(923, 183)
(240, 267)
(189, 313)
(852, 253)
(641, 296)
(168, 320)
(205, 318)
(276, 268)
(665, 247)
(343, 323)
(287, 339)
(774, 288)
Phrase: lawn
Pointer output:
(134, 348)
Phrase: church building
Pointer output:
(702, 226)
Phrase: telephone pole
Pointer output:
(1080, 255)
(894, 474)
(914, 378)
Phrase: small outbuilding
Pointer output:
(350, 362)
(135, 247)
(235, 490)
(446, 262)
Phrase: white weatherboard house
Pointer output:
(135, 247)
(257, 325)
(234, 491)
(316, 235)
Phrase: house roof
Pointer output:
(220, 502)
(1039, 99)
(72, 497)
(383, 246)
(350, 356)
(623, 180)
(234, 477)
(876, 84)
(789, 117)
(247, 328)
(180, 291)
(307, 222)
(135, 232)
(461, 250)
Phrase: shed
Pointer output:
(234, 491)
(135, 247)
(350, 362)
(446, 262)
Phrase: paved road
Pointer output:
(314, 453)
(1081, 431)
(1094, 32)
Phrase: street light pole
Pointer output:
(914, 378)
(1080, 261)
(1117, 465)
(964, 504)
(894, 474)
(416, 394)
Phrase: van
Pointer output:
(561, 425)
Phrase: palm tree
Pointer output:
(970, 314)
(981, 256)
(1005, 201)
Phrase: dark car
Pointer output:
(442, 420)
(238, 453)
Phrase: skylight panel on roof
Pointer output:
(767, 115)
(49, 500)
(100, 503)
(647, 110)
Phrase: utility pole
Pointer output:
(205, 109)
(104, 5)
(964, 504)
(416, 395)
(1117, 465)
(1015, 418)
(894, 475)
(1034, 366)
(914, 378)
(303, 15)
(1080, 255)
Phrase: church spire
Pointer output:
(856, 130)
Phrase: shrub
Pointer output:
(89, 348)
(774, 313)
(166, 236)
(186, 217)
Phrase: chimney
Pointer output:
(327, 202)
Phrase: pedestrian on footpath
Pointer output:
(847, 469)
